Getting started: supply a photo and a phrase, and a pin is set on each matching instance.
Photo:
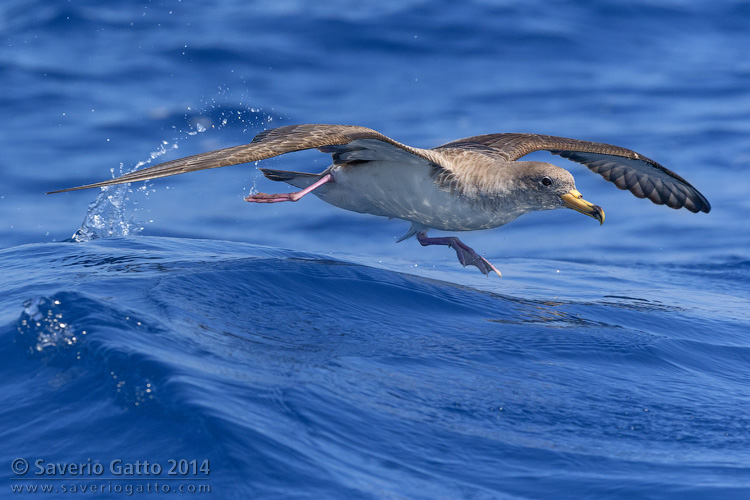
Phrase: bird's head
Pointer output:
(550, 187)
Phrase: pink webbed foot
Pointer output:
(466, 255)
(279, 197)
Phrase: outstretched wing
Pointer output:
(365, 144)
(626, 169)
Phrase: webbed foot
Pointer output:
(466, 255)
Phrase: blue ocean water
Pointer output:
(296, 351)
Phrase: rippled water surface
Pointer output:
(295, 349)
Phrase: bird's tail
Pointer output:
(296, 179)
(413, 229)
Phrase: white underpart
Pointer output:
(404, 188)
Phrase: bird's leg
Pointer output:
(466, 255)
(275, 198)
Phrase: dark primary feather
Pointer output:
(626, 169)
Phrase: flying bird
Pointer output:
(464, 185)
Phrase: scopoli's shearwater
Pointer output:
(464, 185)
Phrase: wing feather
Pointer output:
(353, 145)
(265, 145)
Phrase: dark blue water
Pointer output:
(294, 350)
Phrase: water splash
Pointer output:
(43, 325)
(106, 216)
(109, 216)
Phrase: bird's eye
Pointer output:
(546, 181)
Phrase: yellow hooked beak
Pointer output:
(573, 199)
